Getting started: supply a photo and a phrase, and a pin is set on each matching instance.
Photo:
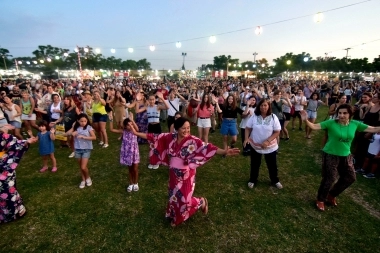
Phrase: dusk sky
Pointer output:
(107, 24)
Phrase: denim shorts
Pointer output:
(82, 153)
(311, 114)
(97, 117)
(16, 124)
(229, 127)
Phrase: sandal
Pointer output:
(21, 212)
(205, 208)
(320, 205)
(331, 200)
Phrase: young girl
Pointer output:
(46, 146)
(176, 116)
(83, 135)
(129, 152)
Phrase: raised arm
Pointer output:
(308, 123)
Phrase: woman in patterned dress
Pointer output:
(183, 153)
(11, 152)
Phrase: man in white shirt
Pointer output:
(299, 101)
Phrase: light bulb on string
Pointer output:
(258, 30)
(86, 49)
(130, 50)
(97, 50)
(35, 62)
(152, 48)
(212, 39)
(178, 44)
(65, 54)
(48, 59)
(318, 17)
(76, 50)
(362, 46)
(42, 61)
(113, 50)
(28, 62)
(19, 62)
(306, 59)
(288, 62)
(56, 57)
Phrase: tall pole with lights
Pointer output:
(183, 62)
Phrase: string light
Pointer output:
(318, 17)
(85, 50)
(258, 30)
(212, 39)
(57, 57)
(65, 54)
(178, 44)
(152, 48)
(130, 50)
(97, 50)
(42, 61)
(113, 50)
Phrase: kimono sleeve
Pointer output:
(198, 152)
(13, 149)
(159, 144)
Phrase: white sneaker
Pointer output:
(82, 184)
(101, 143)
(251, 185)
(88, 182)
(130, 187)
(72, 155)
(136, 187)
(279, 185)
(150, 166)
(155, 167)
(105, 146)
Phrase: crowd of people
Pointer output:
(161, 113)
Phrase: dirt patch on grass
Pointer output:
(358, 199)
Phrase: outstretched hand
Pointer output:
(303, 115)
(232, 151)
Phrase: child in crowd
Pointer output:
(129, 152)
(83, 134)
(176, 116)
(46, 145)
(372, 159)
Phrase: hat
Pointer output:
(247, 87)
(193, 87)
(86, 92)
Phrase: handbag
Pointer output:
(292, 110)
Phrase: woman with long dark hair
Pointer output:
(261, 133)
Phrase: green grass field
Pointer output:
(105, 218)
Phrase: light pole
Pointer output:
(254, 57)
(347, 53)
(183, 62)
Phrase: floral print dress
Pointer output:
(10, 200)
(183, 159)
(129, 152)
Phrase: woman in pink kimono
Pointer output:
(183, 153)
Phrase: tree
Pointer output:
(5, 63)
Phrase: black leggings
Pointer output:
(154, 128)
